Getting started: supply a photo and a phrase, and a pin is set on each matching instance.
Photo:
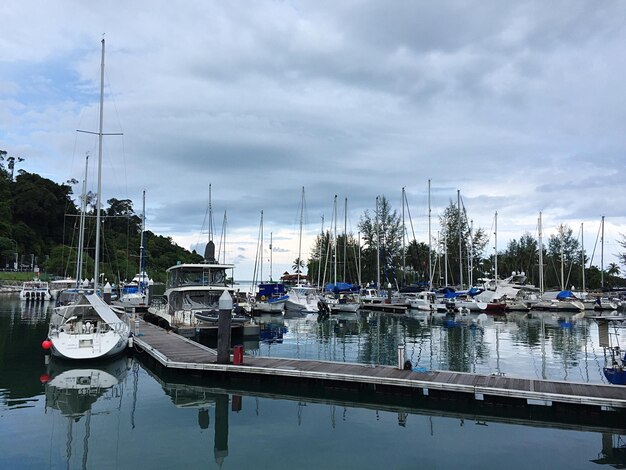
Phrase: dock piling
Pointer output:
(223, 328)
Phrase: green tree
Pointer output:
(381, 232)
(461, 243)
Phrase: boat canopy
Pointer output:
(271, 289)
(565, 294)
(103, 310)
(341, 287)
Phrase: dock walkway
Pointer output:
(176, 352)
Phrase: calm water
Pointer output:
(123, 414)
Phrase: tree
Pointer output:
(463, 244)
(563, 254)
(298, 264)
(382, 236)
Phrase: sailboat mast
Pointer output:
(458, 197)
(540, 256)
(319, 266)
(430, 260)
(335, 241)
(271, 256)
(96, 272)
(142, 259)
(345, 238)
(562, 259)
(495, 248)
(377, 249)
(81, 234)
(300, 236)
(602, 256)
(582, 252)
(403, 240)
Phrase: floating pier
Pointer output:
(176, 352)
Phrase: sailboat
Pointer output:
(303, 297)
(135, 294)
(89, 328)
(271, 296)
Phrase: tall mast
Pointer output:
(430, 261)
(300, 237)
(377, 248)
(96, 272)
(562, 258)
(458, 197)
(319, 266)
(142, 259)
(335, 242)
(81, 234)
(540, 256)
(271, 256)
(582, 252)
(602, 256)
(345, 238)
(495, 248)
(403, 241)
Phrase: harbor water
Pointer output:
(127, 414)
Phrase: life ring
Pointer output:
(263, 297)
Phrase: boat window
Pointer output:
(199, 276)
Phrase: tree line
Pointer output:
(383, 249)
(39, 221)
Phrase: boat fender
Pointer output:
(408, 365)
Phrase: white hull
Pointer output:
(88, 329)
(268, 307)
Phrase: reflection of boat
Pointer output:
(73, 391)
(272, 332)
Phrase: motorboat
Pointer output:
(35, 291)
(271, 297)
(58, 285)
(193, 288)
(302, 298)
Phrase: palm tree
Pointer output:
(613, 269)
(298, 264)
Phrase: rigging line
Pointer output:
(595, 245)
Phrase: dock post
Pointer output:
(401, 356)
(223, 328)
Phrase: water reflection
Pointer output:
(543, 345)
(73, 389)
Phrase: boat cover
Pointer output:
(103, 309)
(565, 294)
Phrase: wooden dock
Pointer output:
(175, 352)
(386, 308)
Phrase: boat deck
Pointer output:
(176, 352)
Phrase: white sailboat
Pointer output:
(89, 328)
(135, 294)
(303, 298)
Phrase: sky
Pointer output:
(519, 106)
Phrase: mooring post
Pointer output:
(389, 292)
(401, 356)
(223, 328)
(106, 293)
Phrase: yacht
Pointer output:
(193, 290)
(35, 291)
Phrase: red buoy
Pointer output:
(46, 344)
(44, 378)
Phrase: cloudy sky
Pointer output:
(519, 105)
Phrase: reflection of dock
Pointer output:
(174, 352)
